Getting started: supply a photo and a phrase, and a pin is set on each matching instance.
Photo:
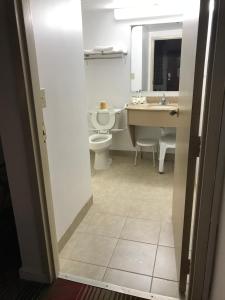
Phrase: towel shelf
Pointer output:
(104, 55)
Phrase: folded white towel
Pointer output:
(109, 50)
(103, 48)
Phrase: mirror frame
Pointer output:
(154, 35)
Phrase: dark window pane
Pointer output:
(167, 65)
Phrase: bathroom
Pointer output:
(132, 204)
(114, 226)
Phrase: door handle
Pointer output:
(174, 112)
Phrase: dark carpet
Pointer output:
(68, 290)
(60, 290)
(21, 290)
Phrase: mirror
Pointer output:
(155, 57)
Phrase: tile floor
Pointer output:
(126, 238)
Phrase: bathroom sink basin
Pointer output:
(162, 107)
(152, 107)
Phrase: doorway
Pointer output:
(130, 204)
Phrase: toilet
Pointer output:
(102, 120)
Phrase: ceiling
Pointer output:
(112, 4)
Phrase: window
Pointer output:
(166, 70)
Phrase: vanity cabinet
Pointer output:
(152, 115)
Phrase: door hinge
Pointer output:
(196, 146)
(44, 133)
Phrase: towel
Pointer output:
(103, 48)
(89, 51)
(107, 50)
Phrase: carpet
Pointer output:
(68, 290)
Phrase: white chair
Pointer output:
(167, 141)
(143, 143)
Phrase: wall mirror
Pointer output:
(155, 57)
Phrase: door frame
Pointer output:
(23, 147)
(210, 186)
(36, 122)
(211, 170)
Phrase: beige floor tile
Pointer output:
(165, 287)
(145, 210)
(82, 227)
(113, 206)
(106, 224)
(165, 264)
(82, 269)
(66, 251)
(92, 249)
(134, 257)
(166, 237)
(145, 231)
(129, 280)
(89, 215)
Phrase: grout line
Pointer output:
(126, 271)
(82, 261)
(116, 245)
(122, 270)
(135, 241)
(153, 270)
(124, 239)
(165, 279)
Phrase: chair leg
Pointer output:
(136, 155)
(141, 153)
(162, 153)
(153, 155)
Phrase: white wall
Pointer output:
(59, 45)
(110, 79)
(136, 50)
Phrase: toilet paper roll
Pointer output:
(103, 105)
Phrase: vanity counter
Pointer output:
(153, 107)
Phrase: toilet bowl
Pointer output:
(100, 143)
(103, 121)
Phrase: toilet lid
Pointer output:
(99, 125)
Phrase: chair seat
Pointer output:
(141, 143)
(169, 140)
(146, 142)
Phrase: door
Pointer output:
(35, 106)
(187, 147)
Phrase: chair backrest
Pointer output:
(167, 130)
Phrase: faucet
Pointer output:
(163, 100)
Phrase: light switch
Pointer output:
(43, 98)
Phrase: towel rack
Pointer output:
(104, 55)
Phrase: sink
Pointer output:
(153, 106)
(162, 107)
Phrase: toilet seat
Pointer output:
(109, 125)
(99, 138)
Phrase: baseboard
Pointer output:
(122, 152)
(127, 153)
(67, 235)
